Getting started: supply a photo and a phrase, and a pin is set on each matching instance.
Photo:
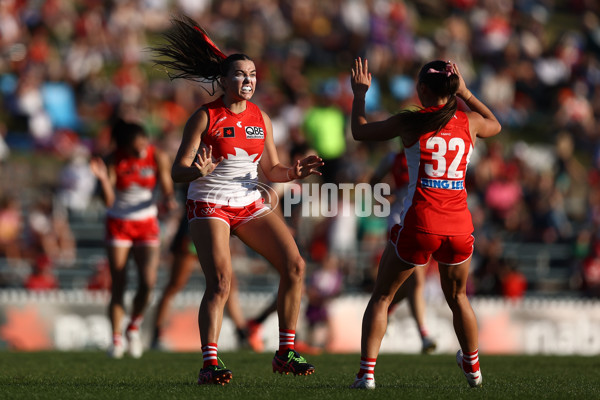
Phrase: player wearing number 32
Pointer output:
(435, 221)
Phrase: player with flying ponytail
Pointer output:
(223, 144)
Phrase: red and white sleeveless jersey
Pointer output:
(400, 170)
(240, 139)
(136, 180)
(437, 197)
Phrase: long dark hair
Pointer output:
(189, 53)
(123, 133)
(443, 82)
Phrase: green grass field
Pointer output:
(91, 375)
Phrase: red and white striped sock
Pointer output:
(367, 366)
(287, 338)
(117, 339)
(471, 361)
(209, 355)
(135, 323)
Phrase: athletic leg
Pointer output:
(391, 274)
(117, 259)
(416, 301)
(454, 284)
(254, 326)
(269, 236)
(211, 238)
(181, 269)
(234, 309)
(146, 260)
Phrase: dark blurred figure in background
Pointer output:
(42, 275)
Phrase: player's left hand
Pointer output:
(98, 168)
(307, 166)
(361, 77)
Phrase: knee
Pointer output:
(144, 288)
(174, 287)
(118, 289)
(117, 298)
(295, 269)
(456, 298)
(219, 288)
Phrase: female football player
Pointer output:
(435, 220)
(127, 181)
(223, 144)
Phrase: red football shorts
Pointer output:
(232, 216)
(123, 232)
(415, 247)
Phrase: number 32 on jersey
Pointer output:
(440, 157)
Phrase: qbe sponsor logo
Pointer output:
(254, 132)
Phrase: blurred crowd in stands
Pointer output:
(68, 69)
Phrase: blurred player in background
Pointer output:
(438, 142)
(128, 179)
(223, 198)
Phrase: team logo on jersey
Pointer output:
(228, 132)
(207, 211)
(146, 172)
(255, 132)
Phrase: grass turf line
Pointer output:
(157, 375)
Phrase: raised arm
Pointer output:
(361, 128)
(106, 177)
(482, 122)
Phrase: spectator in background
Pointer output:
(589, 271)
(549, 67)
(49, 233)
(324, 128)
(128, 179)
(76, 182)
(100, 279)
(487, 275)
(514, 282)
(42, 276)
(11, 229)
(504, 193)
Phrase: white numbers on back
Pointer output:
(440, 147)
